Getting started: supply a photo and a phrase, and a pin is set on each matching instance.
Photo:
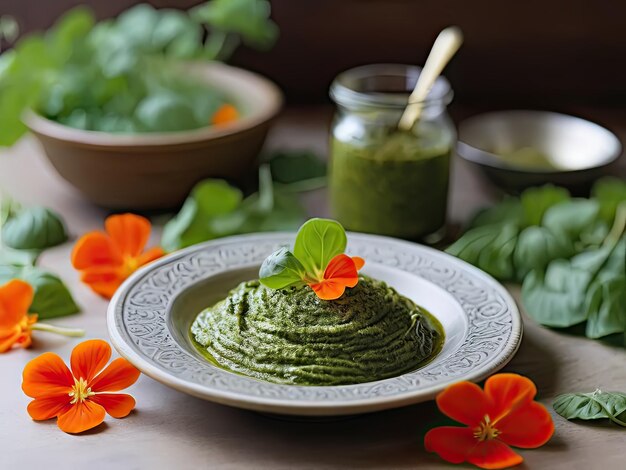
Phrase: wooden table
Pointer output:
(173, 430)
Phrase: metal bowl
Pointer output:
(578, 151)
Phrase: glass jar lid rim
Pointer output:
(344, 88)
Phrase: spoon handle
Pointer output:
(444, 48)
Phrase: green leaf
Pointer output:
(490, 248)
(35, 228)
(605, 302)
(296, 166)
(571, 217)
(536, 201)
(595, 405)
(281, 269)
(609, 192)
(557, 298)
(209, 199)
(508, 211)
(317, 242)
(536, 247)
(249, 19)
(166, 112)
(52, 298)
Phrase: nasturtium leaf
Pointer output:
(594, 405)
(536, 247)
(605, 304)
(294, 167)
(610, 192)
(281, 269)
(34, 228)
(490, 247)
(508, 211)
(317, 242)
(209, 198)
(557, 298)
(250, 19)
(52, 298)
(166, 112)
(536, 201)
(571, 217)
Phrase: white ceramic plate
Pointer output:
(150, 316)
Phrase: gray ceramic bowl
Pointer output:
(157, 170)
(579, 150)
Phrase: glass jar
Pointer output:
(383, 180)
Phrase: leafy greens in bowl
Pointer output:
(120, 75)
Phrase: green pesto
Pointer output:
(291, 336)
(396, 187)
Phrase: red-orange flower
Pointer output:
(225, 114)
(80, 397)
(15, 321)
(502, 415)
(340, 273)
(105, 260)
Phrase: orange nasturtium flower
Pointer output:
(225, 114)
(502, 415)
(16, 324)
(15, 321)
(340, 273)
(79, 398)
(105, 260)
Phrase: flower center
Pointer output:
(80, 391)
(485, 430)
(130, 265)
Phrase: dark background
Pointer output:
(551, 54)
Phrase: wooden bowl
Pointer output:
(157, 170)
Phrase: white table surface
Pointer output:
(170, 430)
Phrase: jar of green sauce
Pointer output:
(383, 180)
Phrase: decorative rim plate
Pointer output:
(144, 327)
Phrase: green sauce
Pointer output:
(290, 336)
(396, 187)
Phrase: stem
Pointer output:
(608, 412)
(619, 224)
(59, 330)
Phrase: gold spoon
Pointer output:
(447, 43)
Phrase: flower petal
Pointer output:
(528, 426)
(342, 269)
(89, 358)
(493, 454)
(358, 262)
(15, 298)
(118, 405)
(119, 375)
(225, 114)
(150, 255)
(81, 417)
(9, 338)
(328, 290)
(453, 444)
(95, 249)
(45, 376)
(464, 402)
(103, 280)
(129, 232)
(507, 392)
(41, 409)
